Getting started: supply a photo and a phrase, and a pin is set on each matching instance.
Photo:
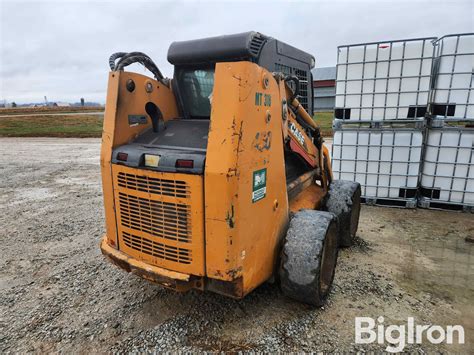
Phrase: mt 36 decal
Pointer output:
(260, 99)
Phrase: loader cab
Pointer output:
(195, 60)
(185, 138)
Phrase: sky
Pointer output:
(60, 49)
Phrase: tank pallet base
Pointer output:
(443, 205)
(374, 201)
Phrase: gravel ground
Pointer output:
(59, 294)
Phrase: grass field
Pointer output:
(52, 126)
(84, 125)
(324, 119)
(46, 110)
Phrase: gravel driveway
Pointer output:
(57, 293)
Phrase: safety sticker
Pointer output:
(259, 190)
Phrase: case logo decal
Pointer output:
(297, 134)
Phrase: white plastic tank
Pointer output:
(386, 162)
(448, 167)
(453, 95)
(384, 80)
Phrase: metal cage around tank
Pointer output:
(383, 158)
(447, 177)
(387, 80)
(453, 74)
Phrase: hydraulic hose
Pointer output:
(125, 59)
(113, 58)
(296, 82)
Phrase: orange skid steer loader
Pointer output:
(218, 179)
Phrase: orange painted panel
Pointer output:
(245, 138)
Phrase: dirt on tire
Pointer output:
(302, 270)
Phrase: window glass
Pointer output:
(196, 88)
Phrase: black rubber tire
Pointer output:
(309, 257)
(344, 201)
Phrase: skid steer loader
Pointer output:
(218, 179)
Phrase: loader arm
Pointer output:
(309, 147)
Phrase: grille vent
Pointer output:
(303, 78)
(174, 188)
(156, 249)
(256, 44)
(160, 219)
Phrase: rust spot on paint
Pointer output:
(262, 141)
(231, 172)
(230, 217)
(239, 134)
(234, 273)
(218, 273)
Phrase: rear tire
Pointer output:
(309, 257)
(344, 201)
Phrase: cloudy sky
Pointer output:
(60, 48)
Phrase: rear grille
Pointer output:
(303, 79)
(174, 188)
(160, 219)
(156, 249)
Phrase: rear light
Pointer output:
(185, 163)
(122, 156)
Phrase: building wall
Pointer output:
(324, 104)
(324, 89)
(324, 98)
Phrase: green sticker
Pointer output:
(259, 188)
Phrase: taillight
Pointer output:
(184, 163)
(122, 156)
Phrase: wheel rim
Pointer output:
(355, 212)
(328, 260)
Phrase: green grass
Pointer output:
(324, 120)
(90, 125)
(47, 110)
(52, 126)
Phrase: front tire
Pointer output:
(344, 201)
(309, 257)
